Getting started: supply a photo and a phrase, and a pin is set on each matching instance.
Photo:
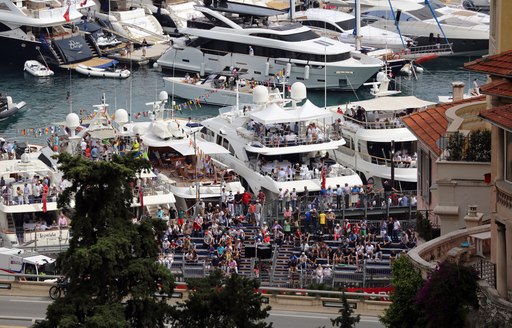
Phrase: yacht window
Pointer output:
(3, 6)
(508, 156)
(4, 28)
(225, 144)
(347, 24)
(320, 24)
(219, 140)
(296, 37)
(219, 47)
(387, 15)
(231, 150)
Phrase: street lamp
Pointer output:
(392, 163)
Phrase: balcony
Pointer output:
(472, 247)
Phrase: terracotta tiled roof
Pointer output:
(431, 124)
(500, 64)
(500, 116)
(500, 88)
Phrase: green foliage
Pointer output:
(403, 311)
(479, 146)
(423, 226)
(475, 148)
(222, 302)
(111, 263)
(346, 320)
(455, 146)
(448, 295)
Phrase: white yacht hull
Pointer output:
(349, 74)
(205, 93)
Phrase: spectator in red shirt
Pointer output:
(246, 200)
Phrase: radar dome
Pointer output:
(260, 94)
(72, 120)
(25, 158)
(121, 116)
(381, 76)
(298, 91)
(163, 95)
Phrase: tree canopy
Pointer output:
(448, 295)
(403, 312)
(346, 319)
(218, 301)
(111, 263)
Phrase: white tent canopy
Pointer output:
(308, 112)
(271, 114)
(207, 148)
(392, 103)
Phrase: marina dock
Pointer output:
(137, 57)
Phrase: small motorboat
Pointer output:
(8, 107)
(37, 69)
(103, 72)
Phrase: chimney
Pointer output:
(458, 90)
(473, 218)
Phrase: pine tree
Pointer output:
(346, 320)
(222, 302)
(111, 263)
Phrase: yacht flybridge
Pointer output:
(34, 29)
(239, 36)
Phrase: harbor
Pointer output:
(252, 141)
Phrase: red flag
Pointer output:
(66, 14)
(83, 3)
(141, 197)
(44, 196)
(322, 176)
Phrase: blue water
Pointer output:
(49, 100)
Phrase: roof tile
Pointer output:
(500, 116)
(500, 64)
(431, 124)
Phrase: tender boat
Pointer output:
(103, 72)
(275, 147)
(8, 107)
(37, 69)
(221, 89)
(373, 132)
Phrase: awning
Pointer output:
(392, 103)
(38, 259)
(205, 147)
(378, 135)
(272, 114)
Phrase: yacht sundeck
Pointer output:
(235, 35)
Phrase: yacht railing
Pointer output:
(274, 138)
(290, 173)
(419, 51)
(378, 124)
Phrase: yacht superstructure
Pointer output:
(273, 147)
(235, 35)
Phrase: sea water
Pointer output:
(49, 100)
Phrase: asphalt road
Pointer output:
(29, 308)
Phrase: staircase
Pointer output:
(91, 43)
